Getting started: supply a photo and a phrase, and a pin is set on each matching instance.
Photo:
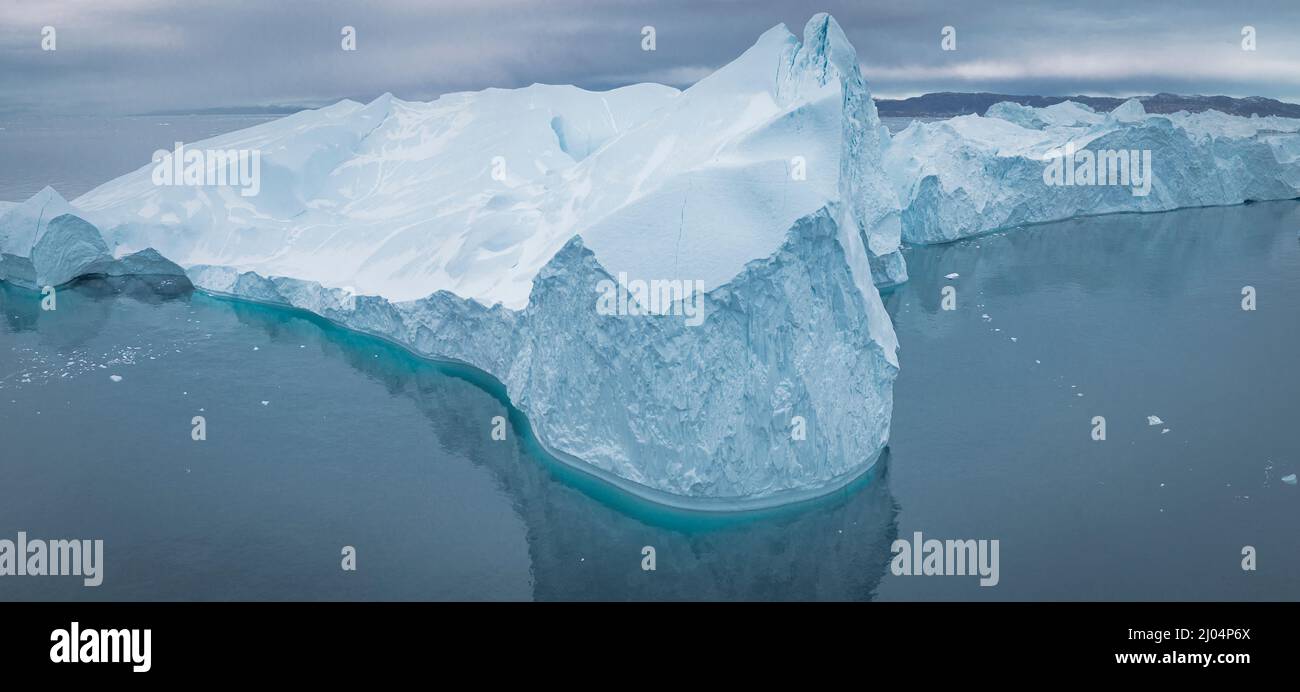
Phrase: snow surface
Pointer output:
(398, 199)
(394, 198)
(970, 174)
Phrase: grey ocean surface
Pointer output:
(73, 154)
(319, 438)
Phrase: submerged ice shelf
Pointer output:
(479, 228)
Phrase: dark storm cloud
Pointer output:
(143, 55)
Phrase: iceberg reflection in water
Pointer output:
(360, 444)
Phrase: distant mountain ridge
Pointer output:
(944, 104)
(273, 109)
(948, 104)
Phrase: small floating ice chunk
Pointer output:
(1164, 431)
(1154, 420)
(115, 378)
(266, 403)
(951, 276)
(1289, 480)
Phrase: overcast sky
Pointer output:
(132, 56)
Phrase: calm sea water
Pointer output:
(1125, 317)
(73, 154)
(320, 438)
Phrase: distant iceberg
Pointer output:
(970, 174)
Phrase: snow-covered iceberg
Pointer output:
(21, 224)
(43, 242)
(474, 192)
(482, 228)
(971, 174)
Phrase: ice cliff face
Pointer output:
(69, 247)
(972, 174)
(827, 57)
(481, 228)
(697, 417)
(723, 430)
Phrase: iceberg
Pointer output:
(21, 224)
(69, 247)
(38, 250)
(970, 174)
(480, 227)
(474, 192)
(147, 262)
(43, 242)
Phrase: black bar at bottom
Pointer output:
(329, 639)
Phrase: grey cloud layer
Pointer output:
(141, 55)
